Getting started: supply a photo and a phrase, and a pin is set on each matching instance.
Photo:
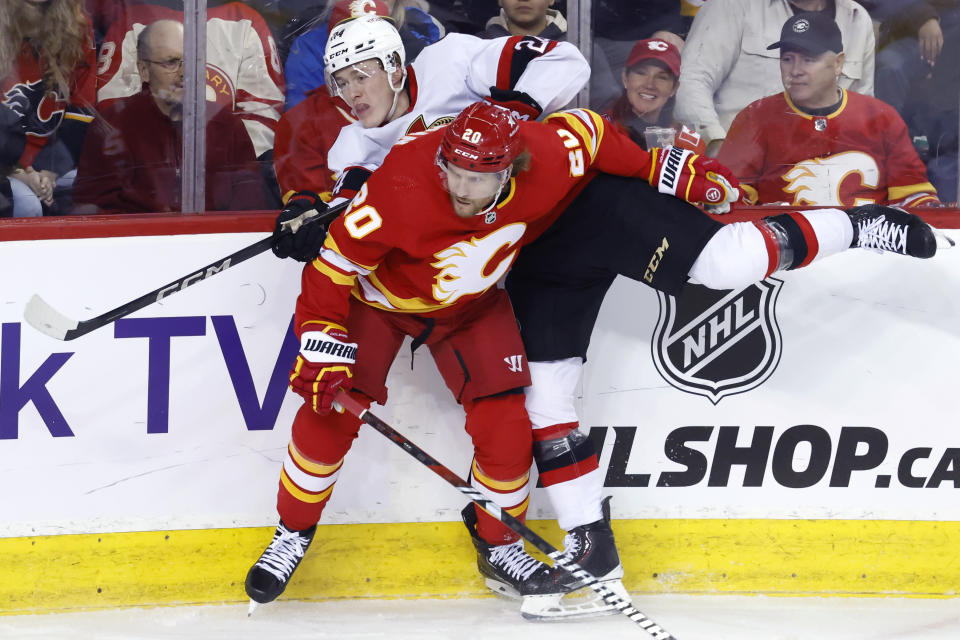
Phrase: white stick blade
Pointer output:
(45, 319)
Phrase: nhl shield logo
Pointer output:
(718, 343)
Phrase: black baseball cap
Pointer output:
(813, 32)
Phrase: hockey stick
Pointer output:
(622, 605)
(44, 318)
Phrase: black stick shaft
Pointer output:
(86, 326)
(623, 606)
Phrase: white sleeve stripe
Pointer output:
(341, 263)
(584, 117)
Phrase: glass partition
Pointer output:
(133, 119)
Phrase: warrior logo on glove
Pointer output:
(323, 365)
(696, 179)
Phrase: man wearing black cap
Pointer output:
(819, 144)
(726, 64)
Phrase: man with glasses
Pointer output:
(131, 157)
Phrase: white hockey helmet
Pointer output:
(362, 38)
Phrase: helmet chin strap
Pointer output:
(396, 96)
(489, 215)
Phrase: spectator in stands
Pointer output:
(650, 80)
(243, 72)
(618, 25)
(47, 82)
(910, 41)
(817, 143)
(304, 66)
(132, 155)
(305, 134)
(463, 16)
(526, 18)
(726, 64)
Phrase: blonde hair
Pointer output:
(61, 39)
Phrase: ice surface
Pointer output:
(687, 617)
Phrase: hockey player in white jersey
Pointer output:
(529, 75)
(365, 65)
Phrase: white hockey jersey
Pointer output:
(243, 66)
(457, 71)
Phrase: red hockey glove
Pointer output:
(518, 103)
(696, 179)
(323, 365)
(294, 239)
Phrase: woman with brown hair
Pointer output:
(650, 81)
(47, 89)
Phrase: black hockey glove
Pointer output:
(294, 239)
(520, 104)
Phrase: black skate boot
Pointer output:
(507, 569)
(268, 577)
(593, 548)
(890, 229)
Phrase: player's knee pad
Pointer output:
(734, 257)
(501, 434)
(551, 395)
(327, 437)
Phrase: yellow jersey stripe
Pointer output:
(337, 277)
(898, 193)
(402, 304)
(310, 466)
(511, 485)
(516, 511)
(590, 138)
(301, 495)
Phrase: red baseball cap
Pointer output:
(655, 49)
(346, 9)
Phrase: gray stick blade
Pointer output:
(45, 319)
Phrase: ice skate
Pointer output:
(890, 229)
(507, 569)
(560, 595)
(268, 577)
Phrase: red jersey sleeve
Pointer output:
(743, 151)
(597, 144)
(356, 244)
(305, 134)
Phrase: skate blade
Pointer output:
(582, 603)
(501, 589)
(943, 240)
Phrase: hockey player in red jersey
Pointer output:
(819, 144)
(380, 277)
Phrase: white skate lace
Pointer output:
(514, 561)
(572, 548)
(880, 235)
(285, 550)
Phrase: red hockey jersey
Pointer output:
(243, 67)
(401, 248)
(305, 134)
(43, 111)
(858, 154)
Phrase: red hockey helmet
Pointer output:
(483, 138)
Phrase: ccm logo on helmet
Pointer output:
(471, 156)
